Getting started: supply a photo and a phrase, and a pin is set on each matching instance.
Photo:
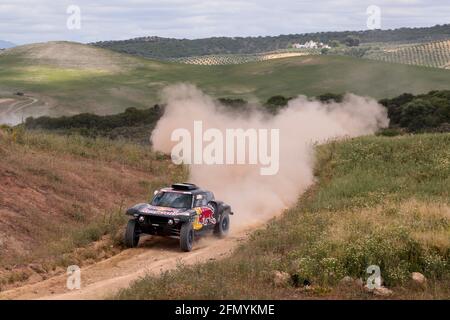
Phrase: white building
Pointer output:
(310, 45)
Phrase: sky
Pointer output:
(30, 21)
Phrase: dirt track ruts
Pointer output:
(103, 279)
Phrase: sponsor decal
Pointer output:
(196, 224)
(207, 216)
(158, 210)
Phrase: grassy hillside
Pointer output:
(132, 125)
(62, 199)
(378, 200)
(69, 78)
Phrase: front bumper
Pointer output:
(160, 224)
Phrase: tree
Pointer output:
(276, 103)
(233, 102)
(351, 41)
(334, 43)
(417, 115)
(330, 97)
(424, 112)
(394, 107)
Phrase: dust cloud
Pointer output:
(302, 124)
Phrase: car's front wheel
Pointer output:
(132, 234)
(186, 236)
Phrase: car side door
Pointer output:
(205, 211)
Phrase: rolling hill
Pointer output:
(63, 78)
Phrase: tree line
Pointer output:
(166, 48)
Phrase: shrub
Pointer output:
(426, 112)
(275, 103)
(92, 125)
(330, 97)
(351, 41)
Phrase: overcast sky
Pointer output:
(27, 21)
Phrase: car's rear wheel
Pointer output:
(132, 234)
(186, 237)
(223, 226)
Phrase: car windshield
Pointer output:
(172, 200)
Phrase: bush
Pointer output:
(331, 97)
(351, 41)
(426, 112)
(334, 43)
(236, 103)
(275, 103)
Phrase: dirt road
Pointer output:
(103, 279)
(12, 111)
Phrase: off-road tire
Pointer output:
(223, 226)
(186, 236)
(132, 234)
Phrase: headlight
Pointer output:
(170, 222)
(141, 219)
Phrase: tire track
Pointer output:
(12, 110)
(103, 279)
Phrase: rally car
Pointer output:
(183, 211)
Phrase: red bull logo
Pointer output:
(205, 216)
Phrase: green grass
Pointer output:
(97, 149)
(378, 200)
(72, 89)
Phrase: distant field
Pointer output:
(225, 59)
(69, 78)
(434, 54)
(431, 54)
